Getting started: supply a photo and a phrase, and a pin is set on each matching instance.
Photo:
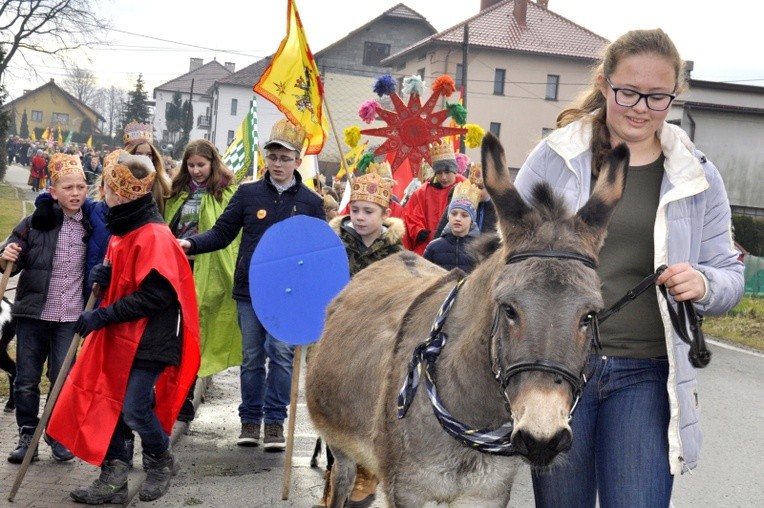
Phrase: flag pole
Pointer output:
(336, 137)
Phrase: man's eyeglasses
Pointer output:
(282, 159)
(628, 98)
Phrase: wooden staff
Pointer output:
(51, 401)
(292, 419)
(6, 277)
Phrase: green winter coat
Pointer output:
(389, 243)
(213, 276)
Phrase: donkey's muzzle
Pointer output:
(541, 453)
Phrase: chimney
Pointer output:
(230, 66)
(195, 64)
(485, 4)
(543, 3)
(520, 10)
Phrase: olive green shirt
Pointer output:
(636, 331)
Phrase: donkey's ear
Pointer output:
(598, 211)
(509, 204)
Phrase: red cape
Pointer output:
(88, 408)
(423, 211)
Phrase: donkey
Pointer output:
(511, 342)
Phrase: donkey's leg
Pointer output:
(343, 476)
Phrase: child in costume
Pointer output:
(142, 349)
(50, 294)
(201, 190)
(369, 234)
(450, 250)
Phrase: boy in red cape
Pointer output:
(145, 338)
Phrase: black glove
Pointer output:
(91, 320)
(101, 275)
(422, 236)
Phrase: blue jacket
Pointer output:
(254, 208)
(450, 251)
(692, 225)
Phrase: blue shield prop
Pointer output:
(299, 265)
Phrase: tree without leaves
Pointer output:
(81, 83)
(48, 27)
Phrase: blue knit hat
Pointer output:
(466, 196)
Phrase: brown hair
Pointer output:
(161, 187)
(635, 42)
(220, 175)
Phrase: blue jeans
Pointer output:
(138, 415)
(620, 440)
(36, 342)
(264, 396)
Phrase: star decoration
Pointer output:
(411, 129)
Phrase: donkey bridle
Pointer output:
(560, 371)
(495, 441)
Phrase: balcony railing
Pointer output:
(203, 122)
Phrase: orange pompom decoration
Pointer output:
(444, 84)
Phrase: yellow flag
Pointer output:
(32, 136)
(293, 84)
(60, 136)
(45, 135)
(351, 159)
(90, 141)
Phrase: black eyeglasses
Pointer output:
(629, 98)
(283, 159)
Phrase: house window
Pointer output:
(459, 76)
(552, 87)
(495, 129)
(498, 81)
(421, 73)
(375, 52)
(230, 138)
(36, 116)
(234, 106)
(61, 118)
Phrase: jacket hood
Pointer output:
(393, 233)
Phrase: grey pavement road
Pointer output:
(215, 472)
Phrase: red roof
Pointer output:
(545, 33)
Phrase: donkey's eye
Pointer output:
(587, 319)
(509, 311)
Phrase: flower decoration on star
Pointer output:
(412, 127)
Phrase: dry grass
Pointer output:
(742, 325)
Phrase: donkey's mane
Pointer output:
(548, 203)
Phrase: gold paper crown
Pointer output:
(466, 195)
(118, 176)
(63, 164)
(442, 151)
(476, 173)
(380, 168)
(135, 130)
(371, 187)
(288, 135)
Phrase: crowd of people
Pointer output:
(168, 258)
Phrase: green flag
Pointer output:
(240, 155)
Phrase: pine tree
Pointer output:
(24, 128)
(137, 107)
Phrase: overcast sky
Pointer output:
(722, 38)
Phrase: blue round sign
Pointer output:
(298, 267)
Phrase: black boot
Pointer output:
(110, 487)
(25, 439)
(159, 470)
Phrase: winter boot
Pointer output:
(324, 501)
(110, 487)
(159, 470)
(364, 488)
(25, 439)
(130, 449)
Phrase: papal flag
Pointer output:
(293, 84)
(240, 154)
(90, 141)
(32, 136)
(45, 135)
(60, 136)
